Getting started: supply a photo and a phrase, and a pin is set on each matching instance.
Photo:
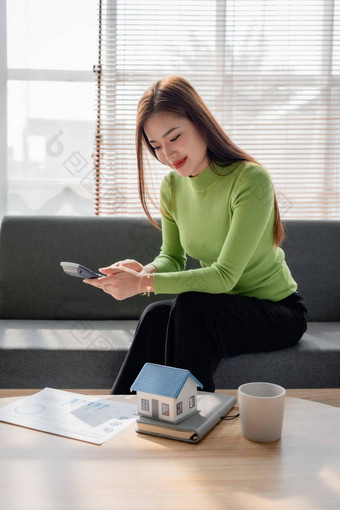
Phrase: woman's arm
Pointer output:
(172, 257)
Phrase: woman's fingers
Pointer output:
(129, 263)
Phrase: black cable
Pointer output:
(230, 417)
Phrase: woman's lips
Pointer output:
(178, 164)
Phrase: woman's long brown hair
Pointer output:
(176, 95)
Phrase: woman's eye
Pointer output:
(171, 140)
(174, 139)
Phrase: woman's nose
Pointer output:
(168, 153)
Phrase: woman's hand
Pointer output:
(121, 282)
(129, 263)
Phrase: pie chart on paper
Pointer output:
(30, 409)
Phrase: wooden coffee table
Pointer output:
(40, 471)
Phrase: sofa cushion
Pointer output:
(33, 285)
(88, 354)
(62, 354)
(312, 249)
(312, 363)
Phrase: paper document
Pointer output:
(82, 417)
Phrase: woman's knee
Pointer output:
(157, 309)
(189, 301)
(154, 321)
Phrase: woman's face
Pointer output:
(177, 143)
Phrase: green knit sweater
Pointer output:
(226, 222)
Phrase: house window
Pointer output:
(179, 408)
(192, 402)
(145, 404)
(165, 409)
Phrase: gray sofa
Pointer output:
(55, 331)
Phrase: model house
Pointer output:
(166, 393)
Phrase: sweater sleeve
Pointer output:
(172, 256)
(252, 204)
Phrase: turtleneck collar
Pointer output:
(208, 177)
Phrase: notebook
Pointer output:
(211, 408)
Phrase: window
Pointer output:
(51, 50)
(179, 408)
(268, 69)
(192, 402)
(165, 409)
(145, 404)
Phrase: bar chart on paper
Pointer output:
(72, 415)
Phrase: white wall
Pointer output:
(3, 109)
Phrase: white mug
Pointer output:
(261, 408)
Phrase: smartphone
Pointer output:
(73, 269)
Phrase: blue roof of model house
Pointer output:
(162, 380)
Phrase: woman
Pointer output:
(218, 205)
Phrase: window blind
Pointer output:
(268, 70)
